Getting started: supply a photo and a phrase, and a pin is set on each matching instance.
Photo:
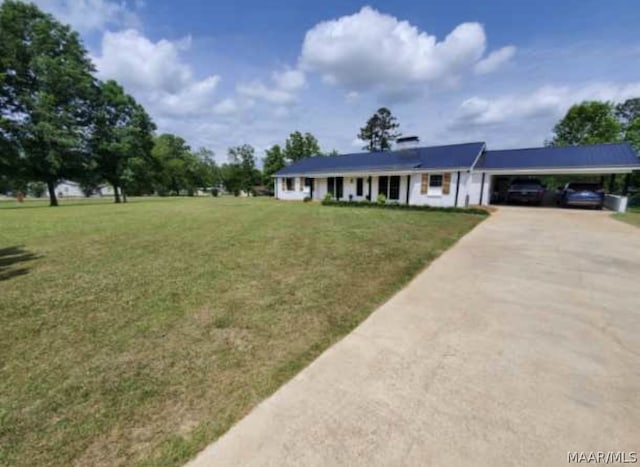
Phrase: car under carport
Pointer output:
(602, 163)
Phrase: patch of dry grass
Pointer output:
(138, 333)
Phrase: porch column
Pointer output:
(408, 188)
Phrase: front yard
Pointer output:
(138, 333)
(632, 216)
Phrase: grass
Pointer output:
(632, 216)
(139, 333)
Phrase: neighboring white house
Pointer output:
(452, 175)
(69, 189)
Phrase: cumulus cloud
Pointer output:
(495, 60)
(370, 49)
(226, 107)
(92, 15)
(155, 73)
(547, 102)
(283, 91)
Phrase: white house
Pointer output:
(69, 189)
(452, 175)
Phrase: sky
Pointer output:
(226, 73)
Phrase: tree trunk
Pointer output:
(53, 200)
(116, 193)
(124, 195)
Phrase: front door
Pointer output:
(339, 187)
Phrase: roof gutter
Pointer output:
(365, 173)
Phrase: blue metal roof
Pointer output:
(455, 156)
(568, 157)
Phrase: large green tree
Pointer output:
(273, 161)
(589, 122)
(46, 90)
(122, 131)
(628, 112)
(172, 156)
(300, 146)
(240, 174)
(380, 131)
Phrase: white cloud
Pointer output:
(155, 73)
(226, 107)
(290, 80)
(373, 50)
(547, 102)
(284, 90)
(495, 60)
(91, 15)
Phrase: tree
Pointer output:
(380, 131)
(46, 89)
(628, 111)
(122, 130)
(241, 172)
(589, 122)
(172, 155)
(299, 146)
(272, 162)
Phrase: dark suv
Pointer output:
(525, 190)
(582, 194)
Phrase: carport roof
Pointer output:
(596, 156)
(453, 156)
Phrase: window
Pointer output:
(331, 186)
(390, 187)
(394, 188)
(435, 185)
(289, 182)
(435, 181)
(359, 186)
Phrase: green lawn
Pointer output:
(138, 333)
(632, 216)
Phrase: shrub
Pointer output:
(327, 198)
(404, 207)
(381, 199)
(215, 192)
(307, 199)
(634, 201)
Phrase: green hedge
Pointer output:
(402, 207)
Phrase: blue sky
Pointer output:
(248, 71)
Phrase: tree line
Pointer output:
(59, 122)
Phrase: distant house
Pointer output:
(69, 189)
(451, 175)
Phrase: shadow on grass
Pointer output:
(12, 256)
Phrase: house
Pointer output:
(69, 189)
(452, 175)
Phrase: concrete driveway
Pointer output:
(518, 345)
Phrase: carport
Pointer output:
(602, 163)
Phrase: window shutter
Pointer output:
(424, 185)
(446, 184)
(284, 184)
